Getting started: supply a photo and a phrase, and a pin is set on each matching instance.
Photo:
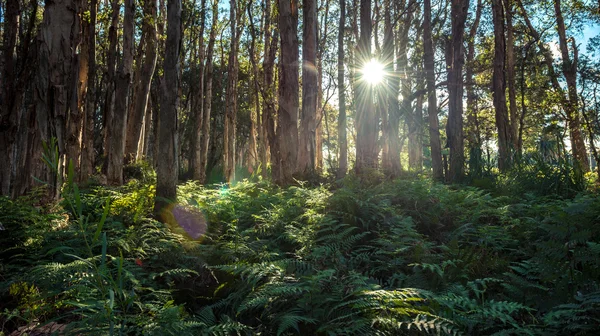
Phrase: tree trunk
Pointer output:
(342, 127)
(569, 69)
(308, 123)
(208, 77)
(229, 138)
(511, 75)
(432, 111)
(87, 148)
(499, 88)
(287, 119)
(142, 92)
(9, 115)
(110, 79)
(454, 128)
(367, 125)
(167, 168)
(116, 141)
(473, 136)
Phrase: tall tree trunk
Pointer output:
(308, 123)
(367, 125)
(454, 128)
(432, 110)
(342, 127)
(167, 168)
(569, 69)
(198, 105)
(110, 79)
(9, 115)
(499, 88)
(511, 75)
(287, 118)
(208, 77)
(87, 148)
(322, 38)
(74, 116)
(473, 136)
(116, 141)
(229, 138)
(142, 92)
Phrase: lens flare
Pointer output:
(373, 72)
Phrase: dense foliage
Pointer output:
(359, 256)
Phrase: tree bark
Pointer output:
(342, 127)
(116, 141)
(454, 128)
(229, 138)
(473, 136)
(287, 118)
(142, 92)
(569, 69)
(110, 79)
(167, 167)
(87, 148)
(499, 88)
(432, 111)
(366, 120)
(511, 75)
(308, 123)
(206, 111)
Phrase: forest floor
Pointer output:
(351, 257)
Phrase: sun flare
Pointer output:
(373, 72)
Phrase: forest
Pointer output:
(299, 167)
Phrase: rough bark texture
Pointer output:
(229, 138)
(473, 134)
(142, 92)
(74, 115)
(110, 79)
(206, 110)
(432, 112)
(308, 123)
(454, 128)
(9, 115)
(511, 75)
(167, 167)
(198, 103)
(342, 127)
(499, 88)
(269, 110)
(87, 145)
(287, 119)
(366, 120)
(569, 69)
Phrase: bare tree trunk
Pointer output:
(473, 136)
(342, 127)
(116, 141)
(208, 77)
(198, 104)
(432, 112)
(569, 69)
(511, 75)
(499, 88)
(366, 120)
(322, 38)
(142, 92)
(308, 123)
(74, 116)
(287, 119)
(454, 128)
(110, 87)
(87, 148)
(271, 39)
(9, 115)
(229, 138)
(167, 168)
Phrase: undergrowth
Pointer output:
(395, 258)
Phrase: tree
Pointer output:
(432, 109)
(342, 136)
(167, 167)
(308, 125)
(142, 89)
(87, 145)
(366, 120)
(499, 88)
(287, 118)
(455, 60)
(473, 134)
